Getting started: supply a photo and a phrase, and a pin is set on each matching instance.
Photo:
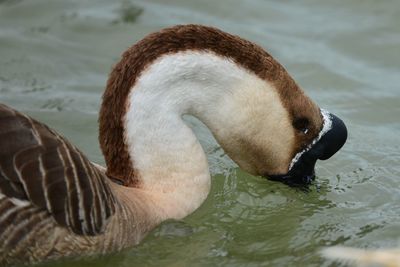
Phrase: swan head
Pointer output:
(330, 139)
(278, 132)
(266, 123)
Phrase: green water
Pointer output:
(54, 60)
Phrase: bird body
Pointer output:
(55, 203)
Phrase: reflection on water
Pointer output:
(54, 61)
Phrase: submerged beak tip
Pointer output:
(302, 169)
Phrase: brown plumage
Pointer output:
(177, 39)
(55, 203)
(39, 166)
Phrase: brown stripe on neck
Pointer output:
(171, 40)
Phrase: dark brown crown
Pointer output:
(181, 38)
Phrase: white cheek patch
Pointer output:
(326, 116)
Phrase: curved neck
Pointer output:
(168, 159)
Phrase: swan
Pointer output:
(55, 203)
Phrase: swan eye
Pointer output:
(302, 125)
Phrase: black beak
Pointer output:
(302, 172)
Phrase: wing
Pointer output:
(39, 166)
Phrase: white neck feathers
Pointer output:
(168, 159)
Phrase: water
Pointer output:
(54, 60)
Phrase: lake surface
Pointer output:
(54, 60)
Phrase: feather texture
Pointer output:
(39, 167)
